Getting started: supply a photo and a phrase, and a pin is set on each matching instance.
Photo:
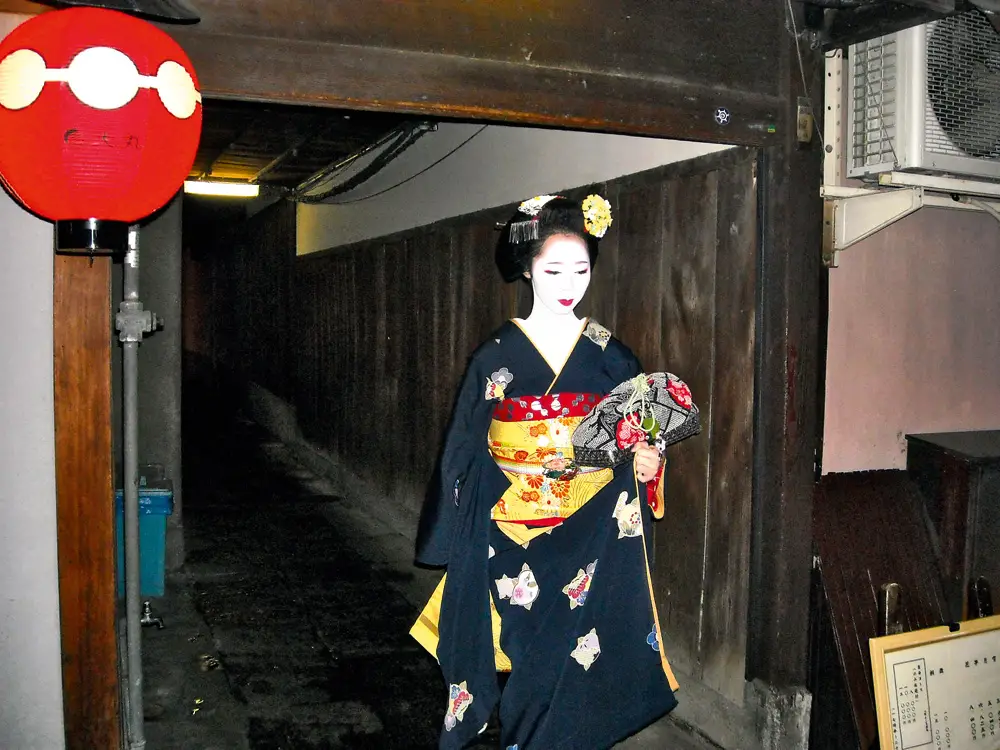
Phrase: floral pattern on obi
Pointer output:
(536, 456)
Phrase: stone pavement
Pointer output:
(287, 627)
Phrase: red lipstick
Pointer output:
(565, 302)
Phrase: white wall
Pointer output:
(914, 340)
(31, 710)
(499, 165)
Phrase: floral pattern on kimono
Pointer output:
(520, 531)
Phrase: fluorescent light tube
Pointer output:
(224, 189)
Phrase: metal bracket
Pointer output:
(940, 184)
(852, 214)
(834, 129)
(132, 321)
(850, 219)
(854, 210)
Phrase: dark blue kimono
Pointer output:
(586, 672)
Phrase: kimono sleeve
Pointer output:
(620, 363)
(465, 443)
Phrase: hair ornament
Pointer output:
(533, 205)
(595, 209)
(523, 231)
(527, 230)
(596, 215)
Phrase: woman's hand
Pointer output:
(647, 461)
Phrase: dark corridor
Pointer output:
(288, 618)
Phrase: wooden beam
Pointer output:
(661, 69)
(291, 150)
(82, 329)
(212, 160)
(278, 70)
(23, 7)
(706, 42)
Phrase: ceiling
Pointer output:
(281, 145)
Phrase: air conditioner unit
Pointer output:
(926, 100)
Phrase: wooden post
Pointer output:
(82, 342)
(788, 396)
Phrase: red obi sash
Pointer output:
(528, 408)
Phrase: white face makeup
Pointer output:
(560, 274)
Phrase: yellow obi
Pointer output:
(534, 454)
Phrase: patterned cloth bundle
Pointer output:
(656, 408)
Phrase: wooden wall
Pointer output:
(380, 332)
(682, 294)
(237, 293)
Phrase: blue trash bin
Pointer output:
(156, 502)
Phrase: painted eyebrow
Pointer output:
(562, 263)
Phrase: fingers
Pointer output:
(647, 462)
(645, 453)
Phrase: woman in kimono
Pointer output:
(547, 562)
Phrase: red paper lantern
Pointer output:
(100, 116)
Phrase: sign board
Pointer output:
(939, 688)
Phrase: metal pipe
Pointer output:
(133, 605)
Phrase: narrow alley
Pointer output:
(287, 627)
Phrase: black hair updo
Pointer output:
(523, 236)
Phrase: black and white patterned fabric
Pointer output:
(657, 408)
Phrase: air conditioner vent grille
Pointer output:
(962, 115)
(875, 68)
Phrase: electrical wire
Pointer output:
(411, 177)
(802, 71)
(398, 141)
(327, 173)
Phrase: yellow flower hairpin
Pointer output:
(596, 215)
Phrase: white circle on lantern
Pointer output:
(22, 76)
(103, 78)
(176, 89)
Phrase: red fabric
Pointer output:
(628, 433)
(652, 487)
(65, 160)
(538, 521)
(680, 393)
(529, 408)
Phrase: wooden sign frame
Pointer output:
(972, 650)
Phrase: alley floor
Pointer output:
(286, 629)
